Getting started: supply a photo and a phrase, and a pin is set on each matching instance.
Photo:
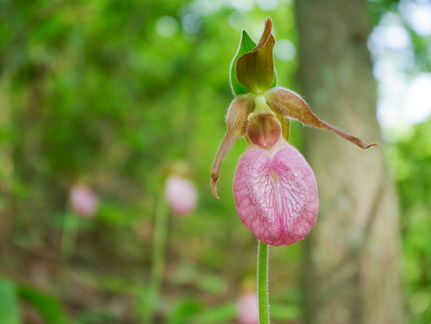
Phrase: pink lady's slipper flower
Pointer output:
(181, 194)
(275, 193)
(274, 188)
(83, 201)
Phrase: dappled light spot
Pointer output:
(418, 16)
(238, 19)
(418, 98)
(284, 50)
(167, 26)
(267, 4)
(191, 23)
(242, 5)
(392, 36)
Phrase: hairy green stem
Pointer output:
(262, 282)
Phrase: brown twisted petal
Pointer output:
(236, 120)
(291, 105)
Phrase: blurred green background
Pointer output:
(111, 93)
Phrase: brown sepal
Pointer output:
(289, 104)
(236, 120)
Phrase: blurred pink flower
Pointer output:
(181, 194)
(247, 309)
(83, 201)
(275, 193)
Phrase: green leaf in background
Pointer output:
(283, 312)
(184, 310)
(49, 307)
(9, 308)
(220, 314)
(246, 45)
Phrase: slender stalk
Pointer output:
(70, 233)
(262, 282)
(151, 294)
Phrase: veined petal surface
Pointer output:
(276, 196)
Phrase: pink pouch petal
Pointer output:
(276, 197)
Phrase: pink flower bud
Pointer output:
(275, 194)
(181, 194)
(247, 309)
(83, 201)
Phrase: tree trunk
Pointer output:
(352, 265)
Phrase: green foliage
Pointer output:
(9, 307)
(109, 93)
(380, 7)
(95, 316)
(410, 157)
(49, 307)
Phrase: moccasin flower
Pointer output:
(247, 309)
(274, 188)
(180, 194)
(83, 201)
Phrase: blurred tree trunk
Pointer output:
(352, 264)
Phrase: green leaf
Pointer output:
(9, 308)
(246, 44)
(283, 312)
(221, 314)
(255, 69)
(184, 310)
(49, 307)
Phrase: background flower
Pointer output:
(83, 201)
(247, 309)
(181, 194)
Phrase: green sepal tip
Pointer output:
(246, 45)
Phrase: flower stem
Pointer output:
(70, 233)
(150, 296)
(262, 282)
